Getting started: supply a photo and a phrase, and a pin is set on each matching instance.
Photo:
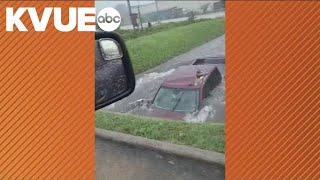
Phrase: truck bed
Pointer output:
(209, 60)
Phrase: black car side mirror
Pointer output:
(114, 76)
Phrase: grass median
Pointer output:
(206, 136)
(149, 51)
(132, 34)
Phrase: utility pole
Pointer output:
(157, 8)
(140, 19)
(130, 12)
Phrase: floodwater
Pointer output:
(147, 87)
(148, 83)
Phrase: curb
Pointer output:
(179, 150)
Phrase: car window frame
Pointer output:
(131, 82)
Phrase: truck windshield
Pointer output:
(180, 100)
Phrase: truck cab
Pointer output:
(185, 91)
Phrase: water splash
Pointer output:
(202, 116)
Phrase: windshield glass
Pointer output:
(180, 100)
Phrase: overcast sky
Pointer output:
(102, 4)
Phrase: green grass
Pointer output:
(132, 34)
(206, 136)
(151, 50)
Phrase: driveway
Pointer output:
(147, 83)
(116, 161)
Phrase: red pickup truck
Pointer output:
(186, 89)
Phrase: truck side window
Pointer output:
(209, 85)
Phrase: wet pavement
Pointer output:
(148, 83)
(115, 161)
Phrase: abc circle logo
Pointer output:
(109, 19)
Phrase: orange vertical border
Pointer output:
(273, 90)
(46, 100)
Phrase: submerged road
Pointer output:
(148, 83)
(115, 161)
